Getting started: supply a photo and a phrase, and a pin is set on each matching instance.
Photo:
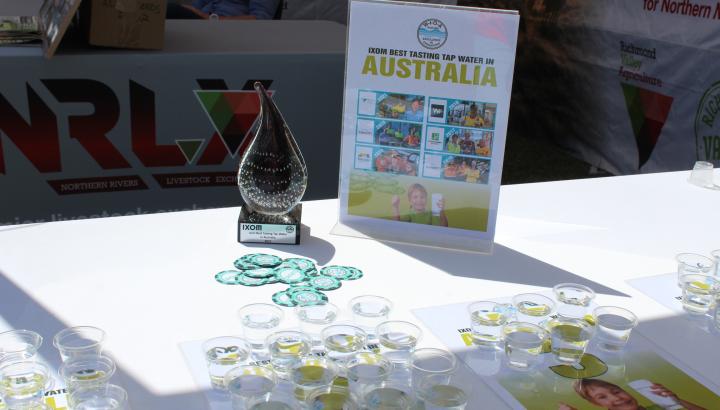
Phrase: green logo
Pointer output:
(707, 126)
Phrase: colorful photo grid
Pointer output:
(389, 133)
(453, 140)
(462, 113)
(387, 160)
(457, 168)
(391, 105)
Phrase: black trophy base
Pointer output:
(254, 227)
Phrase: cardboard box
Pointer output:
(137, 24)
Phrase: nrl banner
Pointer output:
(628, 85)
(122, 134)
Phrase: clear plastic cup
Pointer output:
(247, 382)
(389, 396)
(79, 341)
(258, 320)
(569, 338)
(716, 260)
(699, 293)
(443, 397)
(312, 373)
(365, 369)
(368, 311)
(398, 340)
(431, 365)
(222, 354)
(613, 326)
(523, 344)
(533, 308)
(286, 349)
(573, 299)
(342, 341)
(273, 401)
(702, 174)
(692, 263)
(19, 345)
(109, 397)
(332, 398)
(314, 318)
(487, 319)
(87, 372)
(23, 384)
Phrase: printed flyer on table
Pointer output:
(425, 118)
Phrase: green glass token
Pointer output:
(356, 273)
(302, 263)
(288, 264)
(337, 272)
(283, 299)
(243, 264)
(263, 260)
(305, 288)
(323, 282)
(290, 275)
(245, 280)
(262, 273)
(312, 272)
(308, 298)
(268, 281)
(228, 277)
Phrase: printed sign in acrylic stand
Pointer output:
(427, 96)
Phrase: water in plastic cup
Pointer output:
(691, 263)
(342, 341)
(23, 384)
(274, 401)
(699, 293)
(398, 340)
(432, 364)
(222, 354)
(19, 345)
(487, 320)
(436, 198)
(569, 338)
(644, 387)
(388, 397)
(523, 344)
(248, 381)
(368, 311)
(533, 308)
(79, 341)
(331, 398)
(314, 318)
(258, 320)
(573, 299)
(110, 397)
(312, 373)
(365, 369)
(613, 326)
(286, 349)
(87, 372)
(443, 397)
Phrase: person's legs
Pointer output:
(177, 11)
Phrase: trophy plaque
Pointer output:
(272, 179)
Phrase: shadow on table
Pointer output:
(21, 311)
(310, 247)
(503, 265)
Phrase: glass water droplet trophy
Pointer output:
(272, 179)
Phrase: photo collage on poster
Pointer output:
(459, 140)
(424, 136)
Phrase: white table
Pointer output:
(148, 280)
